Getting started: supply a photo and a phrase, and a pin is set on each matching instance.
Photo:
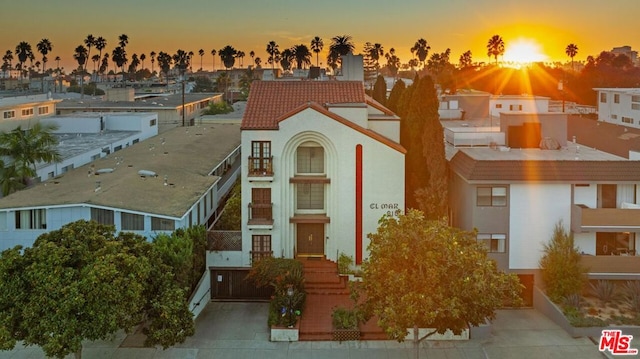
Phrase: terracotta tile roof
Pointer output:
(375, 104)
(270, 100)
(564, 171)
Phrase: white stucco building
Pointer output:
(169, 181)
(517, 103)
(620, 106)
(322, 163)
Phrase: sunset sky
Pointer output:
(191, 25)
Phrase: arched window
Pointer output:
(310, 159)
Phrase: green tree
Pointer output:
(495, 47)
(571, 51)
(83, 283)
(231, 217)
(316, 46)
(425, 274)
(203, 84)
(562, 272)
(466, 60)
(119, 56)
(246, 79)
(396, 95)
(380, 90)
(176, 252)
(25, 148)
(213, 54)
(393, 62)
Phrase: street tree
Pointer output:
(340, 46)
(425, 274)
(82, 282)
(23, 53)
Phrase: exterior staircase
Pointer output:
(326, 290)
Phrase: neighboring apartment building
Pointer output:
(620, 106)
(168, 107)
(322, 164)
(24, 110)
(517, 103)
(170, 181)
(514, 196)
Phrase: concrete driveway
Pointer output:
(239, 331)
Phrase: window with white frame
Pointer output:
(614, 117)
(627, 120)
(603, 97)
(616, 98)
(515, 107)
(495, 196)
(31, 219)
(131, 221)
(495, 243)
(27, 112)
(9, 114)
(635, 102)
(102, 216)
(43, 110)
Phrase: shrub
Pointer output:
(343, 318)
(604, 290)
(632, 293)
(562, 272)
(218, 108)
(344, 264)
(573, 300)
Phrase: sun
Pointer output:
(523, 52)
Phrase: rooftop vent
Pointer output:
(146, 173)
(104, 170)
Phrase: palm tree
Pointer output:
(213, 54)
(90, 41)
(228, 56)
(190, 56)
(44, 47)
(201, 53)
(152, 54)
(286, 58)
(133, 66)
(80, 55)
(340, 46)
(393, 62)
(302, 55)
(274, 53)
(142, 58)
(466, 60)
(104, 65)
(181, 61)
(95, 58)
(258, 61)
(119, 57)
(123, 40)
(26, 148)
(23, 52)
(495, 47)
(7, 58)
(316, 46)
(375, 51)
(421, 49)
(241, 55)
(164, 62)
(252, 54)
(572, 51)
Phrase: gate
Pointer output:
(231, 284)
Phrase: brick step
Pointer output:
(309, 337)
(310, 280)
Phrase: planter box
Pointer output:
(284, 334)
(342, 335)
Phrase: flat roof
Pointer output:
(148, 104)
(187, 157)
(571, 152)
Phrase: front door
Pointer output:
(310, 239)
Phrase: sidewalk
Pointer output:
(239, 331)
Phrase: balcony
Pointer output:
(612, 266)
(260, 168)
(585, 219)
(260, 216)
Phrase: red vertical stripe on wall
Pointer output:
(358, 204)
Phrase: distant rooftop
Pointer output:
(146, 104)
(187, 157)
(7, 100)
